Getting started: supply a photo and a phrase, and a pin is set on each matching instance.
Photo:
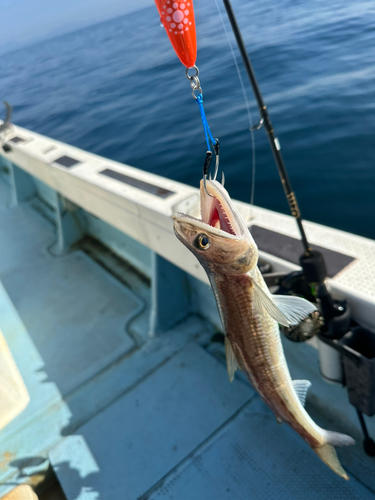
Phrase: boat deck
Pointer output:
(120, 414)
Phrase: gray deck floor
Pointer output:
(121, 418)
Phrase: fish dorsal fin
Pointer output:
(232, 365)
(301, 387)
(285, 309)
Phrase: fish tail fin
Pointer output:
(327, 452)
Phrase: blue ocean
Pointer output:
(117, 89)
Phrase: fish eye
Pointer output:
(202, 242)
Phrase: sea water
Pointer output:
(117, 89)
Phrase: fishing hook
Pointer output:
(217, 152)
(206, 168)
(205, 180)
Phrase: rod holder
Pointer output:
(330, 363)
(352, 360)
(358, 356)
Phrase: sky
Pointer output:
(26, 21)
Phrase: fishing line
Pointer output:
(207, 131)
(251, 128)
(196, 87)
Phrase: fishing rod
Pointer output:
(266, 123)
(337, 314)
(312, 261)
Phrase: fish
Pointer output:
(251, 315)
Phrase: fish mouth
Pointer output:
(218, 213)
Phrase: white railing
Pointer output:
(145, 213)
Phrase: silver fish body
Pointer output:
(255, 340)
(251, 315)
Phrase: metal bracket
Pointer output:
(70, 224)
(23, 185)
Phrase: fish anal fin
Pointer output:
(301, 388)
(232, 365)
(327, 454)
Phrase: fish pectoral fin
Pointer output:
(301, 388)
(279, 420)
(285, 309)
(295, 309)
(232, 365)
(264, 301)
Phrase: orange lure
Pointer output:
(177, 17)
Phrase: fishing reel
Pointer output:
(306, 329)
(332, 318)
(295, 283)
